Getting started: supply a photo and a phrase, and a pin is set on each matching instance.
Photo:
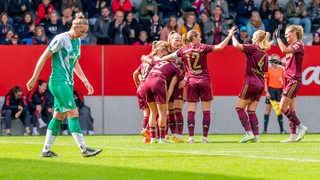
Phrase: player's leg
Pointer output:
(192, 107)
(266, 116)
(152, 121)
(206, 105)
(302, 130)
(52, 133)
(171, 124)
(162, 122)
(178, 105)
(253, 119)
(244, 119)
(76, 132)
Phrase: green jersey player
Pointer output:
(65, 52)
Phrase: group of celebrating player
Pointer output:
(165, 80)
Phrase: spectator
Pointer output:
(171, 26)
(220, 28)
(94, 9)
(5, 25)
(255, 23)
(15, 106)
(4, 6)
(207, 26)
(279, 20)
(314, 13)
(296, 11)
(85, 118)
(190, 23)
(169, 8)
(15, 40)
(43, 11)
(316, 39)
(37, 102)
(267, 9)
(121, 5)
(154, 29)
(224, 7)
(101, 27)
(143, 36)
(26, 29)
(75, 5)
(244, 9)
(119, 32)
(243, 36)
(66, 19)
(17, 8)
(53, 26)
(147, 9)
(39, 36)
(134, 27)
(8, 38)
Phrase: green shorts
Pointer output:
(63, 97)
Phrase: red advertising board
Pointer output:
(110, 68)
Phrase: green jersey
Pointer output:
(65, 53)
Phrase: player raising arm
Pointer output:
(292, 78)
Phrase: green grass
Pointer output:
(126, 157)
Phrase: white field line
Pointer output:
(218, 153)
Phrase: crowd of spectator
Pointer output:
(139, 22)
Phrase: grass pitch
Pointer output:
(126, 157)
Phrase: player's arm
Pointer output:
(41, 62)
(173, 83)
(78, 70)
(224, 43)
(236, 43)
(283, 48)
(170, 57)
(136, 78)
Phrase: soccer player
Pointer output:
(175, 104)
(139, 77)
(65, 52)
(163, 73)
(179, 94)
(253, 87)
(194, 55)
(292, 78)
(273, 90)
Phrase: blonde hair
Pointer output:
(80, 20)
(158, 46)
(263, 37)
(297, 29)
(172, 35)
(188, 37)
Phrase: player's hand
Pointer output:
(31, 83)
(278, 32)
(275, 61)
(182, 84)
(232, 31)
(89, 87)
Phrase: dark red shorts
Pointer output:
(291, 88)
(156, 90)
(199, 89)
(251, 92)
